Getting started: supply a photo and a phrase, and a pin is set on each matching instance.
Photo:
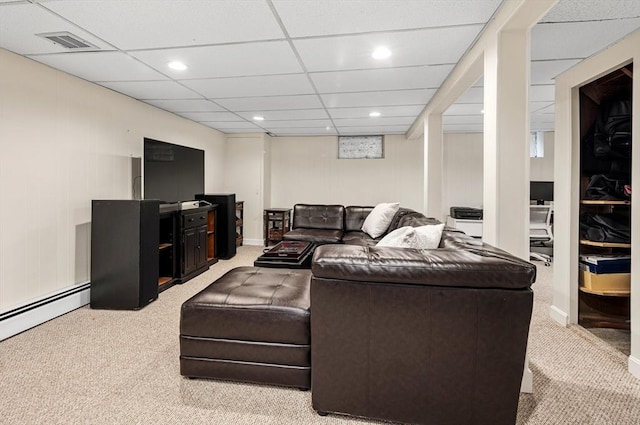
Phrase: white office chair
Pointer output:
(540, 232)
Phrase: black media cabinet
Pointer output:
(140, 248)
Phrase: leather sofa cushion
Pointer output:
(472, 268)
(359, 238)
(309, 216)
(354, 217)
(252, 304)
(317, 236)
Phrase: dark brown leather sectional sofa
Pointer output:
(407, 335)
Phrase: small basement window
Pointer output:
(360, 147)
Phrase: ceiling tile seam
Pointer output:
(556, 60)
(390, 31)
(298, 57)
(197, 46)
(584, 21)
(14, 3)
(384, 68)
(325, 93)
(331, 108)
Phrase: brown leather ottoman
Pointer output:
(250, 325)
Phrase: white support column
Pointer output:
(433, 166)
(506, 142)
(506, 149)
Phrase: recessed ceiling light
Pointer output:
(328, 128)
(177, 65)
(381, 53)
(258, 118)
(374, 114)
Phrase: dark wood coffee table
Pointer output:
(287, 254)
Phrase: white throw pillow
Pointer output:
(378, 220)
(428, 237)
(404, 237)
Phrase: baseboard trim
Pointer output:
(30, 315)
(559, 316)
(526, 386)
(634, 366)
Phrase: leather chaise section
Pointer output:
(437, 267)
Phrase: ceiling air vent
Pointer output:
(68, 40)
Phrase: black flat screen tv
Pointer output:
(172, 173)
(541, 192)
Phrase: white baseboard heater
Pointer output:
(34, 313)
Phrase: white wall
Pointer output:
(463, 169)
(306, 170)
(247, 165)
(542, 168)
(64, 142)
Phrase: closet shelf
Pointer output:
(605, 244)
(607, 293)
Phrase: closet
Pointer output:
(605, 207)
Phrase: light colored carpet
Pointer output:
(121, 367)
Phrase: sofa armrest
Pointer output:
(468, 268)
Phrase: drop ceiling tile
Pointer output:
(409, 48)
(224, 61)
(322, 17)
(378, 98)
(100, 66)
(240, 131)
(20, 22)
(579, 39)
(269, 85)
(420, 77)
(186, 105)
(150, 89)
(378, 121)
(305, 131)
(541, 107)
(364, 130)
(545, 126)
(592, 10)
(225, 125)
(293, 114)
(542, 118)
(210, 116)
(472, 95)
(542, 93)
(544, 72)
(464, 109)
(270, 103)
(147, 24)
(385, 111)
(297, 124)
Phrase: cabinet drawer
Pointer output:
(194, 220)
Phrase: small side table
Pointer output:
(277, 222)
